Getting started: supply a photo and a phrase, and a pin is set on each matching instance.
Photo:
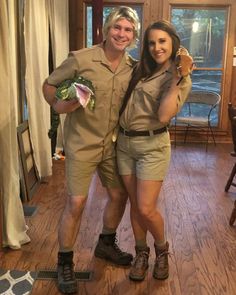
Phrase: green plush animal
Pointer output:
(79, 88)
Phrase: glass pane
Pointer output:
(207, 80)
(202, 31)
(199, 111)
(135, 52)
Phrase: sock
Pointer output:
(108, 231)
(65, 250)
(160, 245)
(141, 244)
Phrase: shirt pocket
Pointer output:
(148, 98)
(102, 93)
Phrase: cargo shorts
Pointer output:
(79, 175)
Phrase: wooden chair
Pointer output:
(233, 215)
(232, 117)
(230, 181)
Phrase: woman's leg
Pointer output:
(147, 195)
(140, 264)
(140, 232)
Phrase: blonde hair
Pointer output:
(122, 12)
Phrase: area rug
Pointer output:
(15, 282)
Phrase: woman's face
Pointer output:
(160, 46)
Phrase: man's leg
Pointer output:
(79, 175)
(107, 247)
(68, 230)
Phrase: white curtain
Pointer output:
(59, 24)
(36, 52)
(14, 227)
(38, 14)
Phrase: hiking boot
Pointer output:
(140, 265)
(65, 273)
(161, 267)
(108, 249)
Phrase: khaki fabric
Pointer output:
(141, 110)
(88, 134)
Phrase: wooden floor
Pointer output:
(196, 210)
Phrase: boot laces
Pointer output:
(116, 247)
(161, 258)
(141, 259)
(68, 272)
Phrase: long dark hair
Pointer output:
(147, 64)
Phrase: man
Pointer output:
(89, 138)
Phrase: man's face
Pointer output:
(120, 35)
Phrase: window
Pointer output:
(202, 32)
(135, 52)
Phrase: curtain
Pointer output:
(36, 52)
(14, 226)
(59, 30)
(38, 15)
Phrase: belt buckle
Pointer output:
(151, 133)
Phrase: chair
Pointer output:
(199, 113)
(230, 181)
(232, 118)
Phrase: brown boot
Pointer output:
(161, 267)
(65, 273)
(107, 248)
(140, 265)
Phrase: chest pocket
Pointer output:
(102, 93)
(148, 97)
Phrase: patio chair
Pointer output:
(205, 102)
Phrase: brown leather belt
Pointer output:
(133, 133)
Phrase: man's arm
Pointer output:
(60, 106)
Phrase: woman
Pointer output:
(155, 94)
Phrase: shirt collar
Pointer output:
(99, 56)
(159, 73)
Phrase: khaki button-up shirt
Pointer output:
(141, 110)
(88, 134)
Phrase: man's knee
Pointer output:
(118, 194)
(76, 204)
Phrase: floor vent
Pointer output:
(52, 275)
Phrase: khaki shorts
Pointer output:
(79, 175)
(147, 157)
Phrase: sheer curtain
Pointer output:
(36, 52)
(59, 29)
(38, 15)
(14, 227)
(36, 24)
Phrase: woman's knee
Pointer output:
(146, 212)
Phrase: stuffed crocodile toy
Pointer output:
(79, 88)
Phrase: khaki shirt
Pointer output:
(141, 110)
(88, 134)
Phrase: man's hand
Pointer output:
(65, 106)
(60, 106)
